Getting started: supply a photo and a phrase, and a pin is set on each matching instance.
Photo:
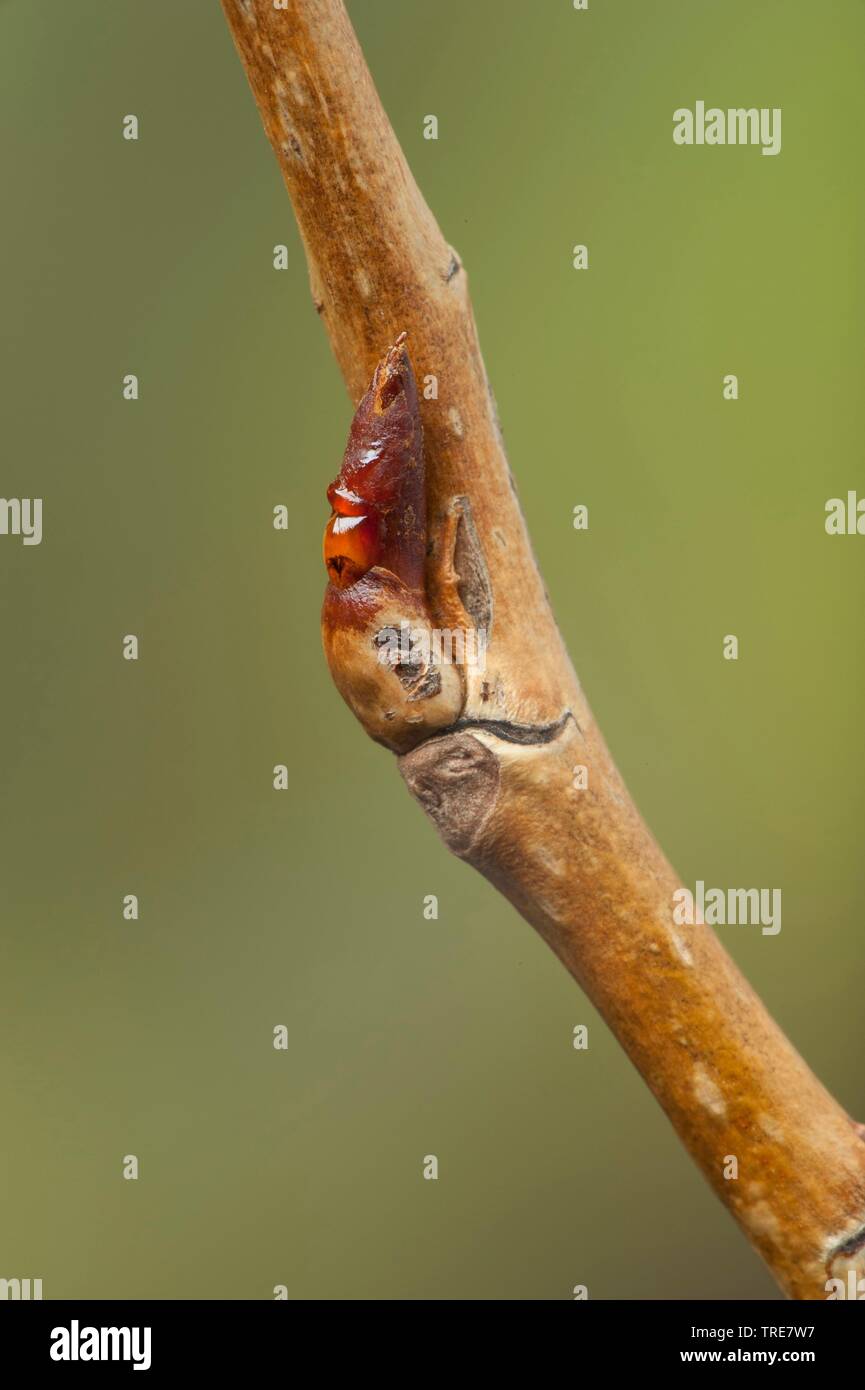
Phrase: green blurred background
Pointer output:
(408, 1037)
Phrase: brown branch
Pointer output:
(580, 865)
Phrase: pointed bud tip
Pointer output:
(392, 374)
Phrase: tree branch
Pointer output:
(580, 865)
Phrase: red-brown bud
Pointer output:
(375, 619)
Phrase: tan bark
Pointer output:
(580, 866)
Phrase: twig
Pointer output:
(580, 865)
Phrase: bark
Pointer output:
(580, 865)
